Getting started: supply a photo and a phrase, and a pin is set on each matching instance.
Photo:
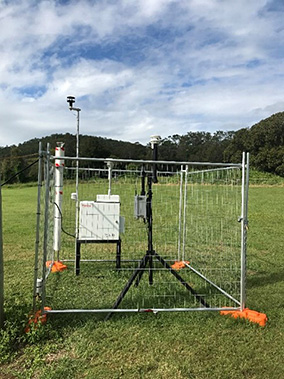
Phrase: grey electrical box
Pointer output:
(140, 206)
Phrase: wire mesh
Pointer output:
(46, 221)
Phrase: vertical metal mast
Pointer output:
(71, 101)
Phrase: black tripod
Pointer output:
(150, 255)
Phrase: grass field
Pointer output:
(180, 345)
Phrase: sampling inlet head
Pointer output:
(155, 140)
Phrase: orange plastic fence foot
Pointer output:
(57, 266)
(178, 265)
(37, 317)
(253, 316)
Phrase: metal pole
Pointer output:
(1, 266)
(245, 229)
(180, 212)
(243, 236)
(150, 229)
(46, 225)
(71, 101)
(38, 212)
(58, 186)
(184, 214)
(109, 165)
(154, 145)
(247, 187)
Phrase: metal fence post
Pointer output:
(38, 214)
(244, 226)
(1, 266)
(46, 225)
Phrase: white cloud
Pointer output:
(138, 68)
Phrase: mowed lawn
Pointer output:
(166, 345)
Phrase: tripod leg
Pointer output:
(141, 272)
(180, 279)
(138, 271)
(151, 268)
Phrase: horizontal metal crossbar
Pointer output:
(139, 161)
(139, 310)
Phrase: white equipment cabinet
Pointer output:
(100, 220)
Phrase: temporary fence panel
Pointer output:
(140, 244)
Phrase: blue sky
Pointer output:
(139, 68)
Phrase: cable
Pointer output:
(62, 229)
(19, 172)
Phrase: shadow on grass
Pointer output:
(263, 280)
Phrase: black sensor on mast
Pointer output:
(154, 145)
(70, 101)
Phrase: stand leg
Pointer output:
(118, 254)
(150, 267)
(78, 256)
(139, 271)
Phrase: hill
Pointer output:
(15, 158)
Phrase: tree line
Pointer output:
(264, 141)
